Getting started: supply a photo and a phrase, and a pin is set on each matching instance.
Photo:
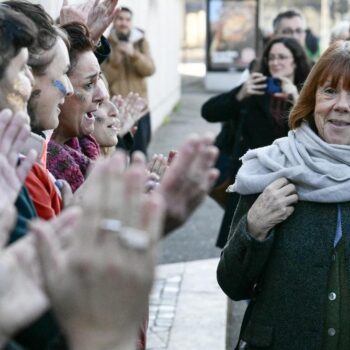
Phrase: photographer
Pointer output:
(256, 113)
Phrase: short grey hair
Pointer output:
(291, 13)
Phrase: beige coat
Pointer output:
(127, 74)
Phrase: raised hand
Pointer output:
(97, 15)
(255, 85)
(272, 207)
(131, 109)
(14, 132)
(152, 179)
(158, 165)
(106, 273)
(74, 13)
(22, 299)
(188, 179)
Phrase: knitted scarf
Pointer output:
(319, 170)
(71, 161)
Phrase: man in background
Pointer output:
(292, 23)
(127, 68)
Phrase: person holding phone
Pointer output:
(255, 113)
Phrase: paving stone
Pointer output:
(175, 279)
(157, 329)
(164, 336)
(168, 302)
(195, 240)
(169, 315)
(171, 290)
(164, 322)
(154, 341)
(172, 285)
(166, 308)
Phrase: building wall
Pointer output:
(162, 21)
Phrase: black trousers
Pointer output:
(142, 138)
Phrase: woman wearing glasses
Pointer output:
(256, 113)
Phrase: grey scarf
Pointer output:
(319, 170)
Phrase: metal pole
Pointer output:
(325, 25)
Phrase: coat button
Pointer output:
(332, 296)
(331, 332)
(242, 345)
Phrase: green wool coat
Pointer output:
(285, 276)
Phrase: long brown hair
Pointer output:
(334, 64)
(302, 64)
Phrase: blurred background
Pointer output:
(190, 38)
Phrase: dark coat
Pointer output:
(25, 212)
(103, 51)
(285, 276)
(247, 124)
(255, 113)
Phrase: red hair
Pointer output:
(334, 64)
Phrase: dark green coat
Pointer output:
(285, 276)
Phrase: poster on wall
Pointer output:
(231, 34)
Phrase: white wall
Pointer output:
(162, 21)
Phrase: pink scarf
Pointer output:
(71, 161)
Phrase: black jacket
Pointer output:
(251, 123)
(255, 114)
(25, 212)
(103, 50)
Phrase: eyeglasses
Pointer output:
(278, 58)
(290, 31)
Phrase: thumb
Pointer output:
(66, 192)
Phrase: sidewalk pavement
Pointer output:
(187, 308)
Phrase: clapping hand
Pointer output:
(188, 179)
(127, 48)
(130, 109)
(97, 15)
(22, 298)
(106, 273)
(158, 165)
(14, 132)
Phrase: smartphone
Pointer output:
(273, 85)
(123, 37)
